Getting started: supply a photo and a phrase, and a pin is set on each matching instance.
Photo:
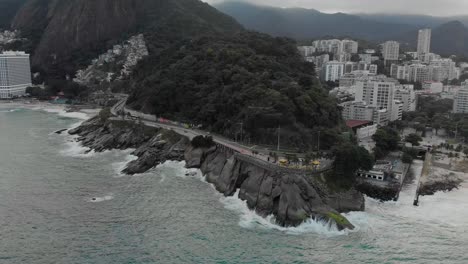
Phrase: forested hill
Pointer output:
(249, 77)
(8, 9)
(203, 66)
(66, 34)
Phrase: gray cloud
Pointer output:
(426, 7)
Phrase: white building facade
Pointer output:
(391, 51)
(406, 95)
(424, 41)
(15, 74)
(332, 71)
(460, 104)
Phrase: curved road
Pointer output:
(191, 133)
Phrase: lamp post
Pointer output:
(279, 138)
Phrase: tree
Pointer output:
(202, 142)
(414, 139)
(349, 158)
(386, 140)
(406, 158)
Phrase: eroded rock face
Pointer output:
(289, 196)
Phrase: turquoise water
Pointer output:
(48, 215)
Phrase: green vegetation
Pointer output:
(409, 154)
(70, 90)
(386, 140)
(436, 114)
(349, 158)
(339, 219)
(406, 158)
(221, 81)
(414, 139)
(202, 142)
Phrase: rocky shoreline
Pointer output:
(441, 183)
(291, 197)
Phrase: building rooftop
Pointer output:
(13, 53)
(357, 123)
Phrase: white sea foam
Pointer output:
(121, 165)
(73, 148)
(61, 112)
(250, 219)
(101, 199)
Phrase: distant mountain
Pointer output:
(415, 20)
(447, 39)
(8, 9)
(302, 23)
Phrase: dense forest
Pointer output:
(250, 78)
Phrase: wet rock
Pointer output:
(290, 196)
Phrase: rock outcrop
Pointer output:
(292, 197)
(288, 196)
(439, 183)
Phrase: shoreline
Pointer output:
(82, 112)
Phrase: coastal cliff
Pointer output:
(292, 197)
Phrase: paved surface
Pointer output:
(262, 155)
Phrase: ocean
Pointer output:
(60, 203)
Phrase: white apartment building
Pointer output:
(424, 41)
(15, 74)
(400, 72)
(318, 61)
(350, 79)
(377, 91)
(336, 46)
(419, 73)
(357, 111)
(306, 51)
(350, 46)
(361, 111)
(391, 51)
(366, 132)
(332, 71)
(433, 87)
(406, 94)
(443, 69)
(397, 110)
(460, 104)
(361, 66)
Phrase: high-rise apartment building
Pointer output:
(424, 41)
(15, 74)
(391, 51)
(460, 104)
(332, 71)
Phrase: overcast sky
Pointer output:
(426, 7)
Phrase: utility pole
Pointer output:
(279, 133)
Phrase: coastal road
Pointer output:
(263, 154)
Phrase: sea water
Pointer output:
(61, 203)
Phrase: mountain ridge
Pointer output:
(301, 23)
(448, 38)
(69, 30)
